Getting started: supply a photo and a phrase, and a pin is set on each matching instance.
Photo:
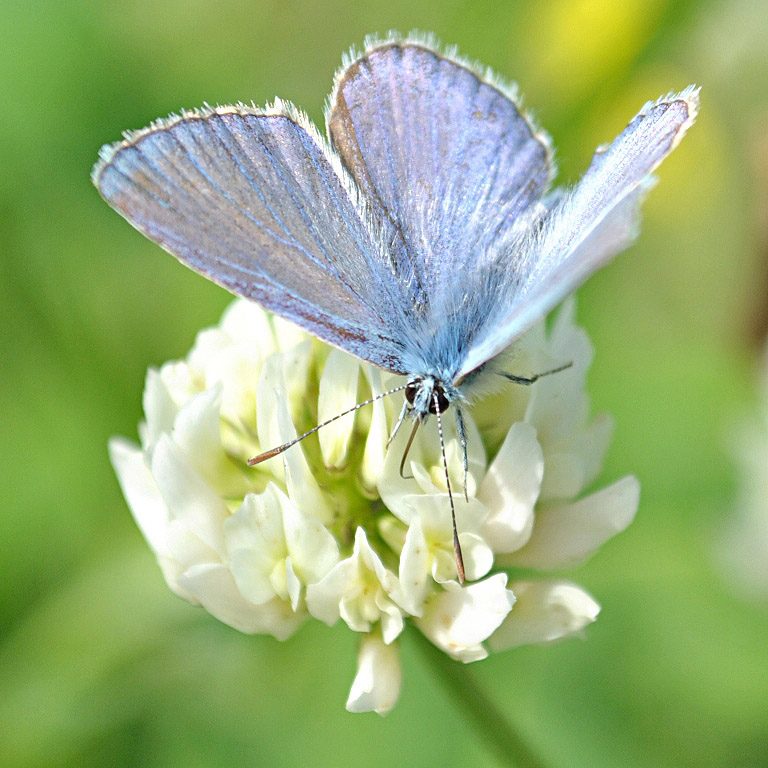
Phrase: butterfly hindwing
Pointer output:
(587, 227)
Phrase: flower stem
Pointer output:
(488, 720)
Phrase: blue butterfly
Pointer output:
(420, 236)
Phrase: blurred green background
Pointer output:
(101, 665)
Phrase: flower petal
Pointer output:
(324, 596)
(434, 514)
(559, 405)
(337, 393)
(378, 434)
(275, 427)
(459, 619)
(188, 497)
(215, 588)
(159, 408)
(360, 590)
(415, 581)
(246, 322)
(255, 542)
(477, 556)
(571, 464)
(568, 534)
(510, 489)
(312, 548)
(545, 611)
(377, 683)
(275, 549)
(186, 548)
(141, 492)
(424, 469)
(197, 432)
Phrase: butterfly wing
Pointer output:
(255, 202)
(442, 154)
(588, 227)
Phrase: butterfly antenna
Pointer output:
(463, 442)
(272, 452)
(456, 545)
(408, 448)
(527, 380)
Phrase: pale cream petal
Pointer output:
(434, 514)
(141, 492)
(255, 543)
(459, 619)
(188, 497)
(181, 381)
(288, 335)
(510, 489)
(312, 548)
(566, 535)
(293, 585)
(159, 408)
(187, 548)
(563, 477)
(378, 433)
(278, 428)
(390, 618)
(377, 683)
(197, 432)
(324, 596)
(545, 611)
(246, 322)
(477, 556)
(593, 444)
(414, 573)
(424, 472)
(573, 463)
(337, 393)
(215, 588)
(359, 589)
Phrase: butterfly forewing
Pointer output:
(253, 202)
(443, 155)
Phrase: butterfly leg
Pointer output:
(528, 380)
(416, 423)
(398, 424)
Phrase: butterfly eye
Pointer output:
(440, 403)
(411, 390)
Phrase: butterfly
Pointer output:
(420, 236)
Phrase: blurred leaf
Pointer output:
(100, 664)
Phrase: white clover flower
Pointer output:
(331, 530)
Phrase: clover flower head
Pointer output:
(332, 530)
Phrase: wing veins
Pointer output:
(257, 188)
(413, 276)
(181, 192)
(299, 207)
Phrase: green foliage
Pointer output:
(101, 665)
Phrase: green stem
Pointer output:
(488, 720)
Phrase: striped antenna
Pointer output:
(456, 545)
(272, 452)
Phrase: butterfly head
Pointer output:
(428, 395)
